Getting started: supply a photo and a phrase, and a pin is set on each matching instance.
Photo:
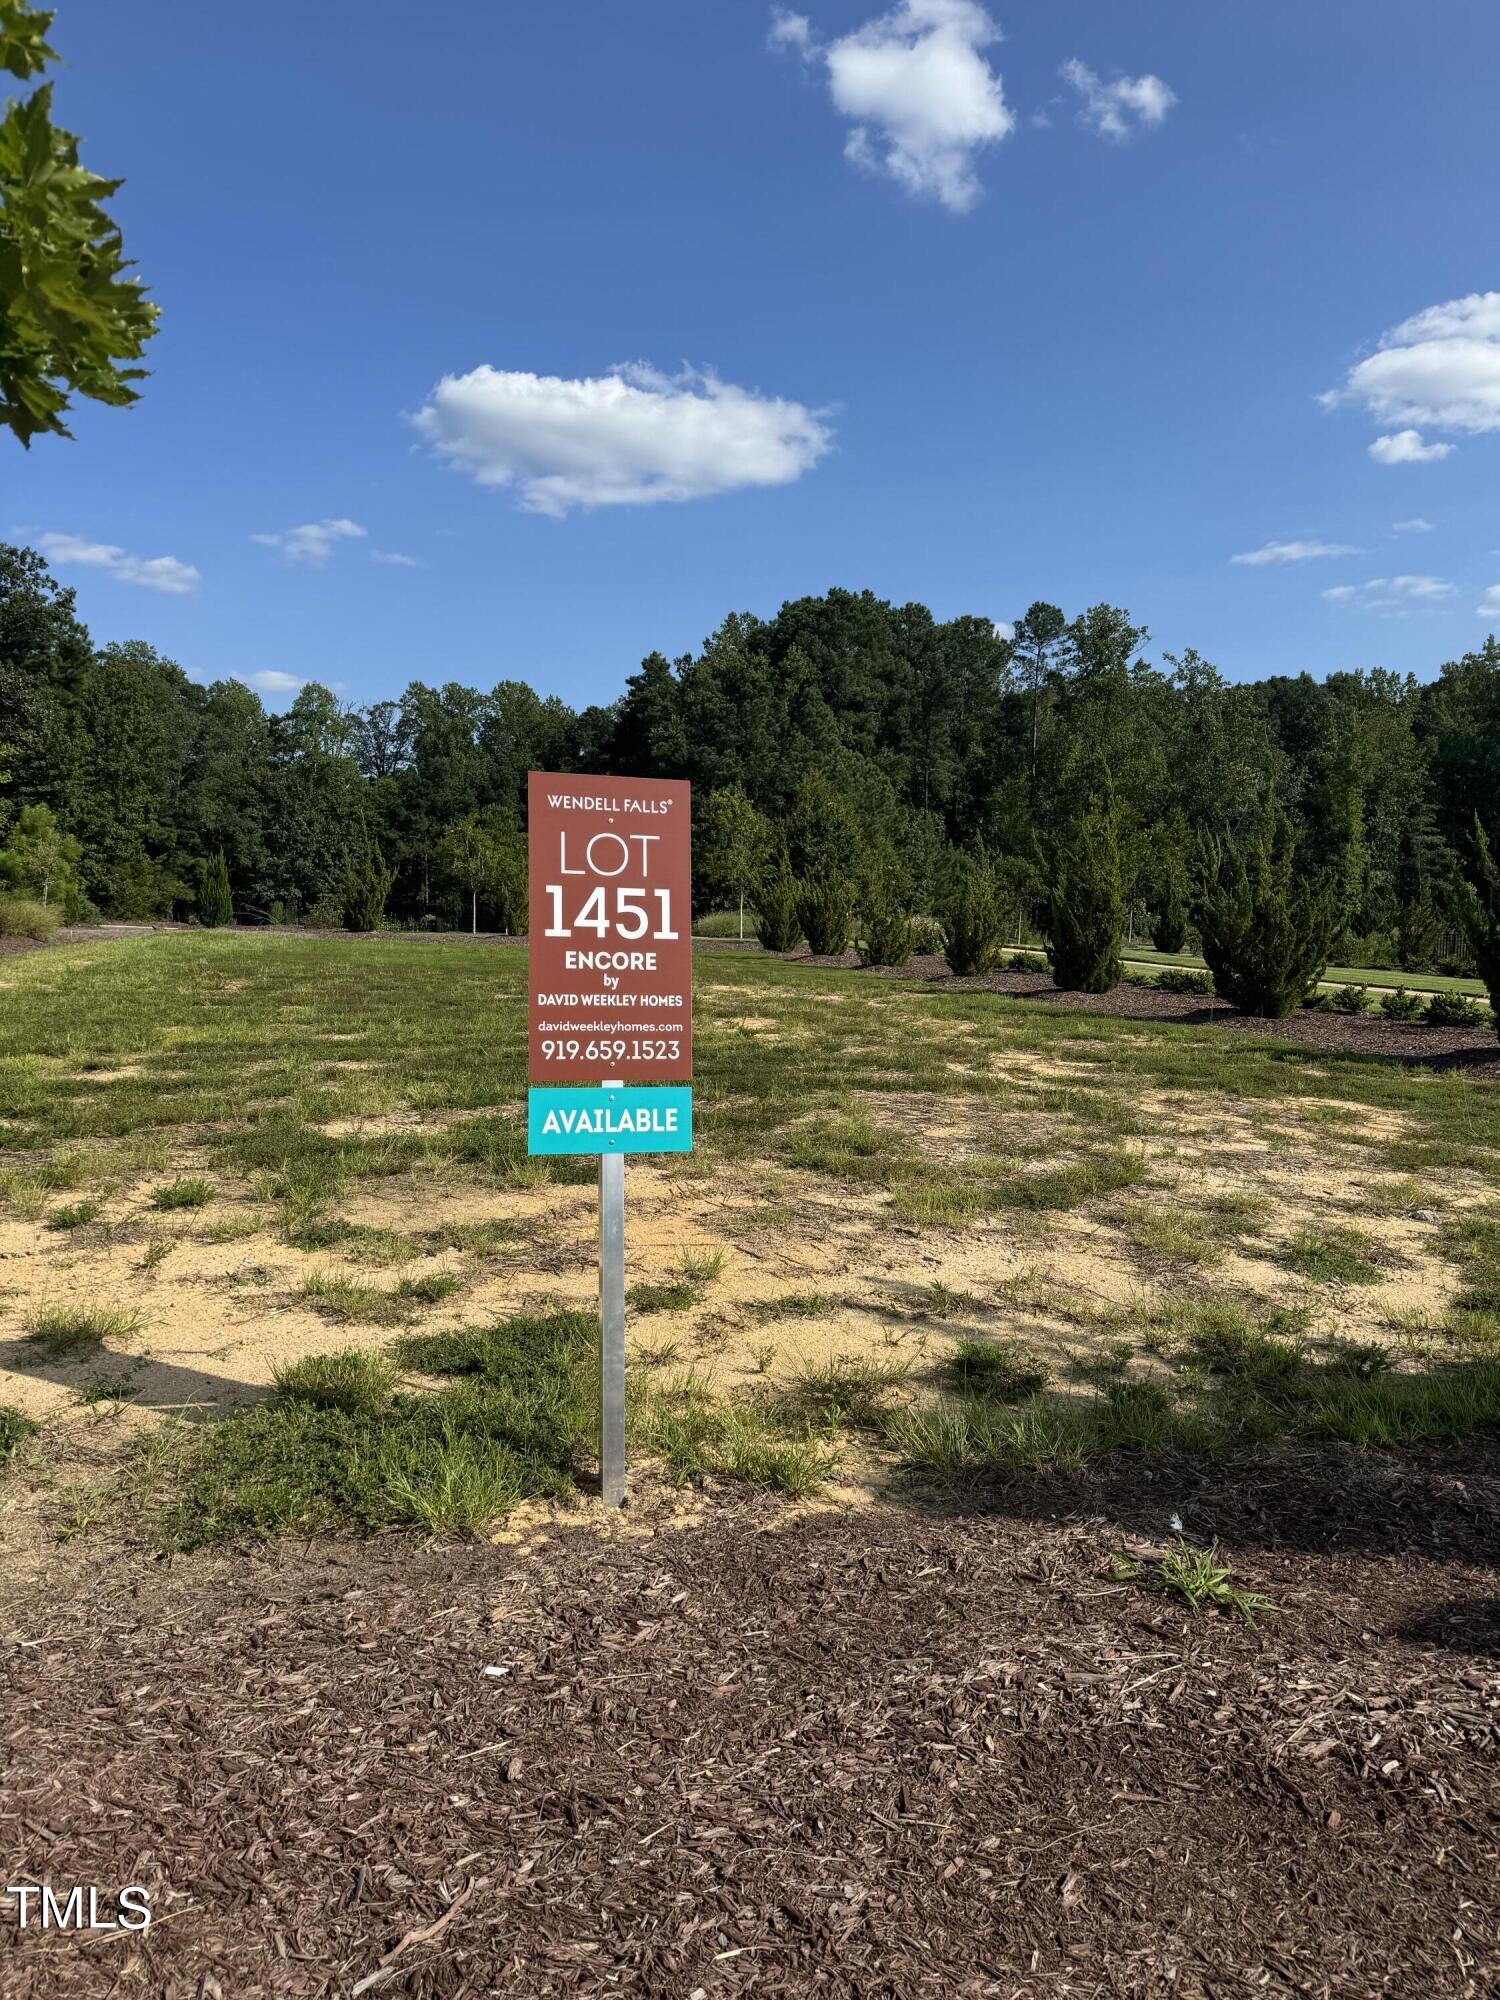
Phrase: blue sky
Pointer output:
(909, 309)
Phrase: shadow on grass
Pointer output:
(197, 1394)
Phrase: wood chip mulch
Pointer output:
(883, 1752)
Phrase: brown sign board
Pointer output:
(611, 906)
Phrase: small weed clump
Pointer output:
(354, 1380)
(847, 1390)
(113, 1389)
(75, 1215)
(1201, 1580)
(66, 1333)
(672, 1295)
(995, 1370)
(192, 1192)
(1333, 1257)
(15, 1429)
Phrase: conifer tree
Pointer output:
(825, 910)
(1086, 914)
(367, 883)
(884, 914)
(971, 910)
(215, 900)
(774, 900)
(1267, 929)
(1479, 912)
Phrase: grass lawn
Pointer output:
(275, 1256)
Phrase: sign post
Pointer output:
(610, 880)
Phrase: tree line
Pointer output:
(855, 764)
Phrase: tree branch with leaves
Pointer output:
(70, 316)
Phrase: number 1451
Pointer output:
(631, 918)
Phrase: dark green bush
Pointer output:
(825, 910)
(971, 911)
(1479, 912)
(774, 898)
(1267, 932)
(367, 883)
(1086, 918)
(1399, 1005)
(1183, 979)
(1454, 1010)
(884, 930)
(215, 899)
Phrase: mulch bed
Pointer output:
(893, 1752)
(1411, 1042)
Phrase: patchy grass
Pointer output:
(191, 1192)
(354, 1380)
(67, 1333)
(75, 1215)
(339, 1446)
(15, 1430)
(1333, 1257)
(995, 1370)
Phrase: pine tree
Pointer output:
(1267, 930)
(825, 910)
(215, 900)
(367, 883)
(1479, 912)
(1418, 926)
(884, 927)
(971, 910)
(775, 903)
(1169, 924)
(1086, 915)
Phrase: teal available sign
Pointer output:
(656, 1118)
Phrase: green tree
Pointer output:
(215, 898)
(1418, 923)
(366, 885)
(1086, 910)
(477, 853)
(1169, 916)
(1036, 652)
(1267, 926)
(69, 316)
(884, 913)
(971, 909)
(40, 860)
(1479, 912)
(825, 911)
(774, 900)
(733, 845)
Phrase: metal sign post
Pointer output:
(612, 1328)
(610, 870)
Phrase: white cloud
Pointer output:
(272, 681)
(1408, 448)
(1490, 607)
(1110, 108)
(1416, 526)
(393, 559)
(1439, 369)
(627, 438)
(1394, 595)
(1294, 552)
(314, 541)
(1005, 630)
(164, 573)
(922, 99)
(790, 31)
